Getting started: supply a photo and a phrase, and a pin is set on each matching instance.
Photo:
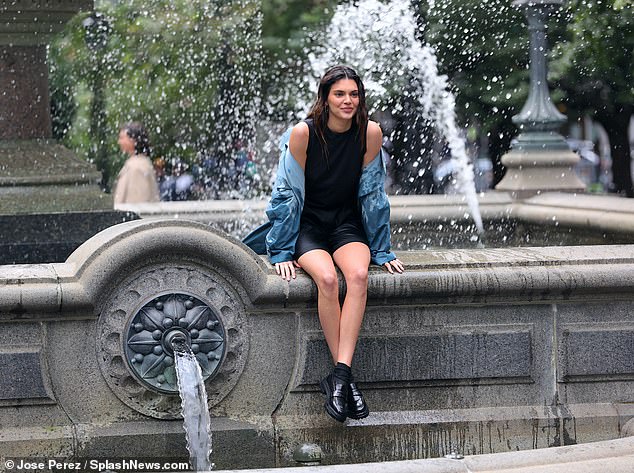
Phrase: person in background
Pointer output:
(184, 183)
(136, 182)
(161, 175)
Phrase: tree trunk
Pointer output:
(616, 126)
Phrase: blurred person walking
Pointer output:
(136, 182)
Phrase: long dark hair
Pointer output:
(139, 135)
(319, 111)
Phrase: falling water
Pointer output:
(381, 41)
(194, 408)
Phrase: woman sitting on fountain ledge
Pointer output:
(329, 208)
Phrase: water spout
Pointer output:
(191, 387)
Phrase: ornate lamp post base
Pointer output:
(540, 159)
(42, 176)
(539, 162)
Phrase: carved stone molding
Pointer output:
(200, 304)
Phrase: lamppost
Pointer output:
(540, 159)
(97, 29)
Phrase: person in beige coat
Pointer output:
(136, 181)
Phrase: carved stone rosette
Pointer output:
(148, 349)
(145, 310)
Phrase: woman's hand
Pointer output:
(394, 265)
(286, 269)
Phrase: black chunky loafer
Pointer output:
(357, 408)
(336, 392)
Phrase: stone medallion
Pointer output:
(150, 308)
(148, 348)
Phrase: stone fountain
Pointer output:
(474, 351)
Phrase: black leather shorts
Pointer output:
(312, 237)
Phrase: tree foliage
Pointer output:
(289, 29)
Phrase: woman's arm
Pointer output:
(298, 146)
(373, 142)
(298, 143)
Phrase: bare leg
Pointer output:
(353, 259)
(319, 265)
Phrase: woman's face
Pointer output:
(126, 143)
(343, 99)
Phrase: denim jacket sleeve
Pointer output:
(285, 207)
(277, 237)
(375, 210)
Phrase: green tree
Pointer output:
(289, 29)
(595, 68)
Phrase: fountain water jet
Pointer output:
(191, 388)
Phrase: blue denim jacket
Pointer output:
(277, 237)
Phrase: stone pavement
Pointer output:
(614, 456)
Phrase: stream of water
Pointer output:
(196, 419)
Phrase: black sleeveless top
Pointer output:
(332, 180)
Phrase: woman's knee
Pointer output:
(357, 278)
(327, 282)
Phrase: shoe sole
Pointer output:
(361, 415)
(325, 389)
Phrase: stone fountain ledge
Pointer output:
(601, 212)
(438, 276)
(615, 456)
(404, 208)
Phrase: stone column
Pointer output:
(24, 101)
(540, 159)
(36, 173)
